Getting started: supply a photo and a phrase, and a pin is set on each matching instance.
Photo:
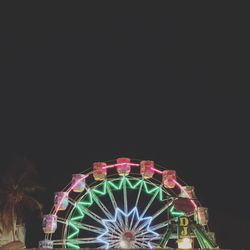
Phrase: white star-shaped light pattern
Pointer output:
(127, 230)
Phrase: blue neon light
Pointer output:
(114, 220)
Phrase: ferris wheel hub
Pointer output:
(127, 240)
(128, 235)
(125, 244)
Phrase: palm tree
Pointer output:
(17, 188)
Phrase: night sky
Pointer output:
(168, 87)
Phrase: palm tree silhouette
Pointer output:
(17, 190)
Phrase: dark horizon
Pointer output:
(146, 89)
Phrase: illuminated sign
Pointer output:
(183, 227)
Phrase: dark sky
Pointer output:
(169, 87)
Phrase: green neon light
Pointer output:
(201, 240)
(89, 200)
(172, 212)
(156, 189)
(71, 245)
(166, 237)
(161, 195)
(116, 186)
(74, 233)
(79, 209)
(102, 190)
(208, 242)
(136, 184)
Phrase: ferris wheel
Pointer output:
(127, 204)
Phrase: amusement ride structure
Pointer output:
(127, 204)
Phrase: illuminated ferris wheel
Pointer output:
(127, 204)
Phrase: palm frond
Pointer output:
(16, 188)
(22, 170)
(26, 177)
(6, 183)
(7, 218)
(32, 204)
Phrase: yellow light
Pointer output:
(184, 243)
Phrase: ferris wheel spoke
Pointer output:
(111, 235)
(62, 220)
(102, 206)
(113, 201)
(71, 201)
(149, 204)
(139, 233)
(91, 240)
(145, 210)
(154, 245)
(125, 201)
(160, 225)
(138, 194)
(108, 235)
(81, 225)
(112, 198)
(147, 238)
(115, 229)
(114, 245)
(92, 215)
(142, 244)
(88, 227)
(116, 236)
(101, 247)
(86, 241)
(161, 210)
(138, 244)
(136, 203)
(153, 217)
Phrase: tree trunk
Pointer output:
(13, 223)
